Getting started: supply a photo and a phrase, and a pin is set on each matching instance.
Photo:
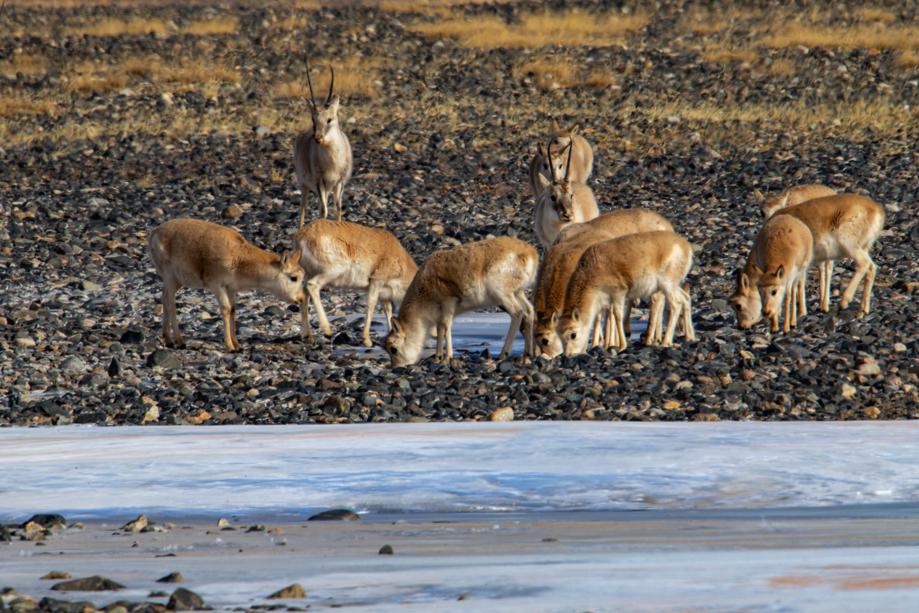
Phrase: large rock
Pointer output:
(186, 600)
(137, 524)
(335, 515)
(163, 358)
(294, 590)
(49, 521)
(53, 605)
(88, 584)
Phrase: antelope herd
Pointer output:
(594, 270)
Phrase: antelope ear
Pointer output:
(758, 196)
(555, 125)
(553, 321)
(574, 129)
(576, 314)
(744, 281)
(780, 272)
(334, 102)
(756, 269)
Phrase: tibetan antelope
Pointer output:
(582, 159)
(615, 272)
(843, 226)
(194, 253)
(348, 255)
(561, 260)
(792, 197)
(562, 203)
(322, 157)
(493, 272)
(775, 275)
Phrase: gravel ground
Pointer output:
(79, 314)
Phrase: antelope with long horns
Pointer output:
(322, 156)
(581, 167)
(562, 203)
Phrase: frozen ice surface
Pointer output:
(456, 467)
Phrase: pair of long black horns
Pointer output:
(549, 161)
(310, 83)
(552, 166)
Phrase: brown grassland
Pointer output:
(548, 54)
(535, 30)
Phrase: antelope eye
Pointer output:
(545, 341)
(774, 292)
(293, 278)
(393, 350)
(736, 306)
(573, 335)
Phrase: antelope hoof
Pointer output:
(327, 330)
(367, 342)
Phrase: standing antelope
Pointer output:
(843, 225)
(775, 274)
(792, 197)
(561, 260)
(343, 254)
(194, 253)
(618, 271)
(562, 203)
(493, 272)
(322, 157)
(542, 166)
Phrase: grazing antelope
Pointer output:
(582, 163)
(562, 203)
(561, 260)
(615, 272)
(322, 157)
(843, 225)
(792, 197)
(194, 253)
(775, 274)
(343, 254)
(493, 272)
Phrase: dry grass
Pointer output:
(293, 22)
(210, 27)
(853, 37)
(194, 74)
(425, 7)
(562, 74)
(569, 29)
(906, 59)
(870, 13)
(28, 64)
(89, 78)
(782, 68)
(353, 76)
(704, 22)
(122, 27)
(719, 55)
(880, 114)
(18, 105)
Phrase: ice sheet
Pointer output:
(455, 467)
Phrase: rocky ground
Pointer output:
(441, 142)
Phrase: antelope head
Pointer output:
(325, 117)
(560, 191)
